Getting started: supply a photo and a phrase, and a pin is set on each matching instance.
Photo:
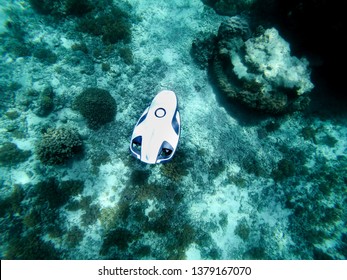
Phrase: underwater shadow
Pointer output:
(244, 115)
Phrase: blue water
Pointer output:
(246, 182)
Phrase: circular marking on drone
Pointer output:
(160, 112)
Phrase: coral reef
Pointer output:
(202, 49)
(259, 72)
(42, 6)
(104, 19)
(31, 247)
(177, 168)
(113, 25)
(92, 213)
(31, 221)
(97, 106)
(127, 55)
(139, 177)
(12, 204)
(242, 229)
(130, 225)
(269, 54)
(45, 102)
(57, 145)
(98, 158)
(310, 26)
(44, 55)
(12, 114)
(119, 237)
(317, 212)
(10, 154)
(61, 8)
(14, 39)
(57, 193)
(74, 236)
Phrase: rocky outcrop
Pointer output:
(259, 71)
(202, 49)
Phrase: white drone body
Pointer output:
(156, 133)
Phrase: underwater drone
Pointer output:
(156, 133)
